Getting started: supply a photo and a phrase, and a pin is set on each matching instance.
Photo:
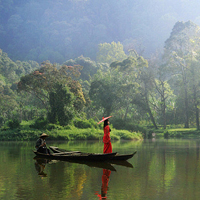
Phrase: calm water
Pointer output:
(161, 169)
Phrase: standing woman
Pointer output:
(106, 138)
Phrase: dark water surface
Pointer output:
(161, 169)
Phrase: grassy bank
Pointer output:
(178, 133)
(25, 133)
(88, 130)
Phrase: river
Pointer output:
(161, 169)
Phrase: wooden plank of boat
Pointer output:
(57, 150)
(77, 156)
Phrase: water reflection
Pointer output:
(163, 169)
(41, 162)
(104, 187)
(40, 166)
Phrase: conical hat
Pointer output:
(104, 119)
(44, 135)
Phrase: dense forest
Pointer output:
(61, 61)
(66, 29)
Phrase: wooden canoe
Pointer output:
(107, 157)
(76, 156)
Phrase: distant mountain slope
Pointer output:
(66, 29)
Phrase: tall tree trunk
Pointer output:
(186, 97)
(152, 118)
(149, 110)
(163, 105)
(197, 117)
(126, 113)
(186, 109)
(163, 97)
(196, 107)
(164, 113)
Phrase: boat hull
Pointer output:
(105, 157)
(76, 156)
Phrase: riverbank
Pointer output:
(71, 133)
(185, 133)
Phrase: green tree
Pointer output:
(61, 107)
(138, 83)
(178, 49)
(8, 104)
(194, 84)
(45, 85)
(110, 52)
(89, 67)
(163, 94)
(165, 98)
(104, 91)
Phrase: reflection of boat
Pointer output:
(96, 164)
(104, 157)
(102, 165)
(121, 163)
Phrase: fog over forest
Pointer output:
(65, 29)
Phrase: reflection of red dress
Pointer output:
(106, 140)
(105, 180)
(104, 186)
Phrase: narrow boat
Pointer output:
(107, 157)
(76, 156)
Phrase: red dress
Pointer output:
(106, 140)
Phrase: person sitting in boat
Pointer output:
(41, 144)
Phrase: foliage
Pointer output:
(89, 67)
(126, 135)
(7, 105)
(121, 124)
(158, 92)
(59, 101)
(13, 124)
(56, 126)
(104, 91)
(56, 89)
(181, 52)
(57, 36)
(79, 123)
(109, 53)
(40, 123)
(66, 133)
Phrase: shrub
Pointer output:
(15, 123)
(166, 134)
(128, 125)
(54, 126)
(79, 123)
(172, 134)
(40, 123)
(126, 135)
